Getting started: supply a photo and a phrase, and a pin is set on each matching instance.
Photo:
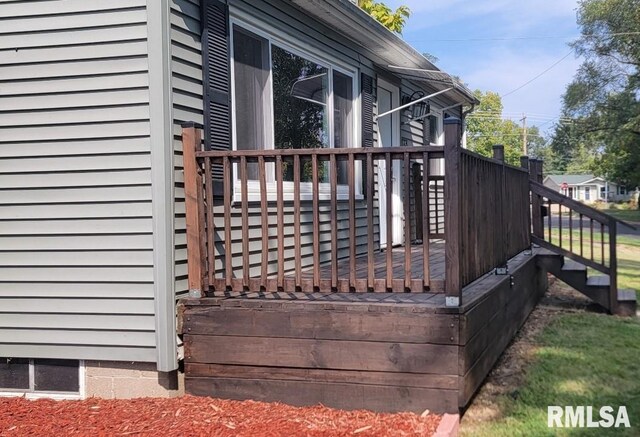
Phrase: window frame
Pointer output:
(277, 37)
(31, 392)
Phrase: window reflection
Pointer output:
(284, 100)
(343, 117)
(300, 89)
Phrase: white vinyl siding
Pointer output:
(76, 236)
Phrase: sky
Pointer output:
(490, 59)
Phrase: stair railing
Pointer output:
(576, 231)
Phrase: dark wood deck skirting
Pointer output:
(377, 351)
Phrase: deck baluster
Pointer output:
(296, 221)
(333, 173)
(264, 215)
(426, 225)
(389, 218)
(369, 194)
(211, 260)
(246, 266)
(280, 225)
(352, 223)
(228, 269)
(407, 221)
(316, 222)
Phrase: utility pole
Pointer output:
(525, 150)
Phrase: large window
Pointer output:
(287, 98)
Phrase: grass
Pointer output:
(628, 215)
(583, 359)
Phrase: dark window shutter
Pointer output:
(216, 72)
(367, 97)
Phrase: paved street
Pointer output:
(555, 222)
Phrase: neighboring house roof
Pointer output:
(572, 179)
(390, 50)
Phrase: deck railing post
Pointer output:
(498, 152)
(535, 174)
(613, 267)
(502, 269)
(452, 211)
(193, 190)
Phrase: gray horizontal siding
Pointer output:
(76, 236)
(186, 78)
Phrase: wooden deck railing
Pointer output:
(310, 219)
(487, 212)
(577, 231)
(294, 219)
(494, 214)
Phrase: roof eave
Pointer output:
(386, 47)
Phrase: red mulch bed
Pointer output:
(198, 416)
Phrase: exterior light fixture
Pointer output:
(419, 109)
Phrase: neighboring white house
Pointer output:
(588, 188)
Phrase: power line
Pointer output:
(498, 134)
(512, 116)
(539, 75)
(519, 113)
(532, 37)
(515, 117)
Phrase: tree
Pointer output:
(603, 98)
(392, 20)
(486, 128)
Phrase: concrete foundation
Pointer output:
(126, 380)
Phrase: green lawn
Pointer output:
(583, 359)
(628, 215)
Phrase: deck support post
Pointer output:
(193, 193)
(452, 211)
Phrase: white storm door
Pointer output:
(389, 136)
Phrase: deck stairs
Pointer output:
(571, 251)
(595, 286)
